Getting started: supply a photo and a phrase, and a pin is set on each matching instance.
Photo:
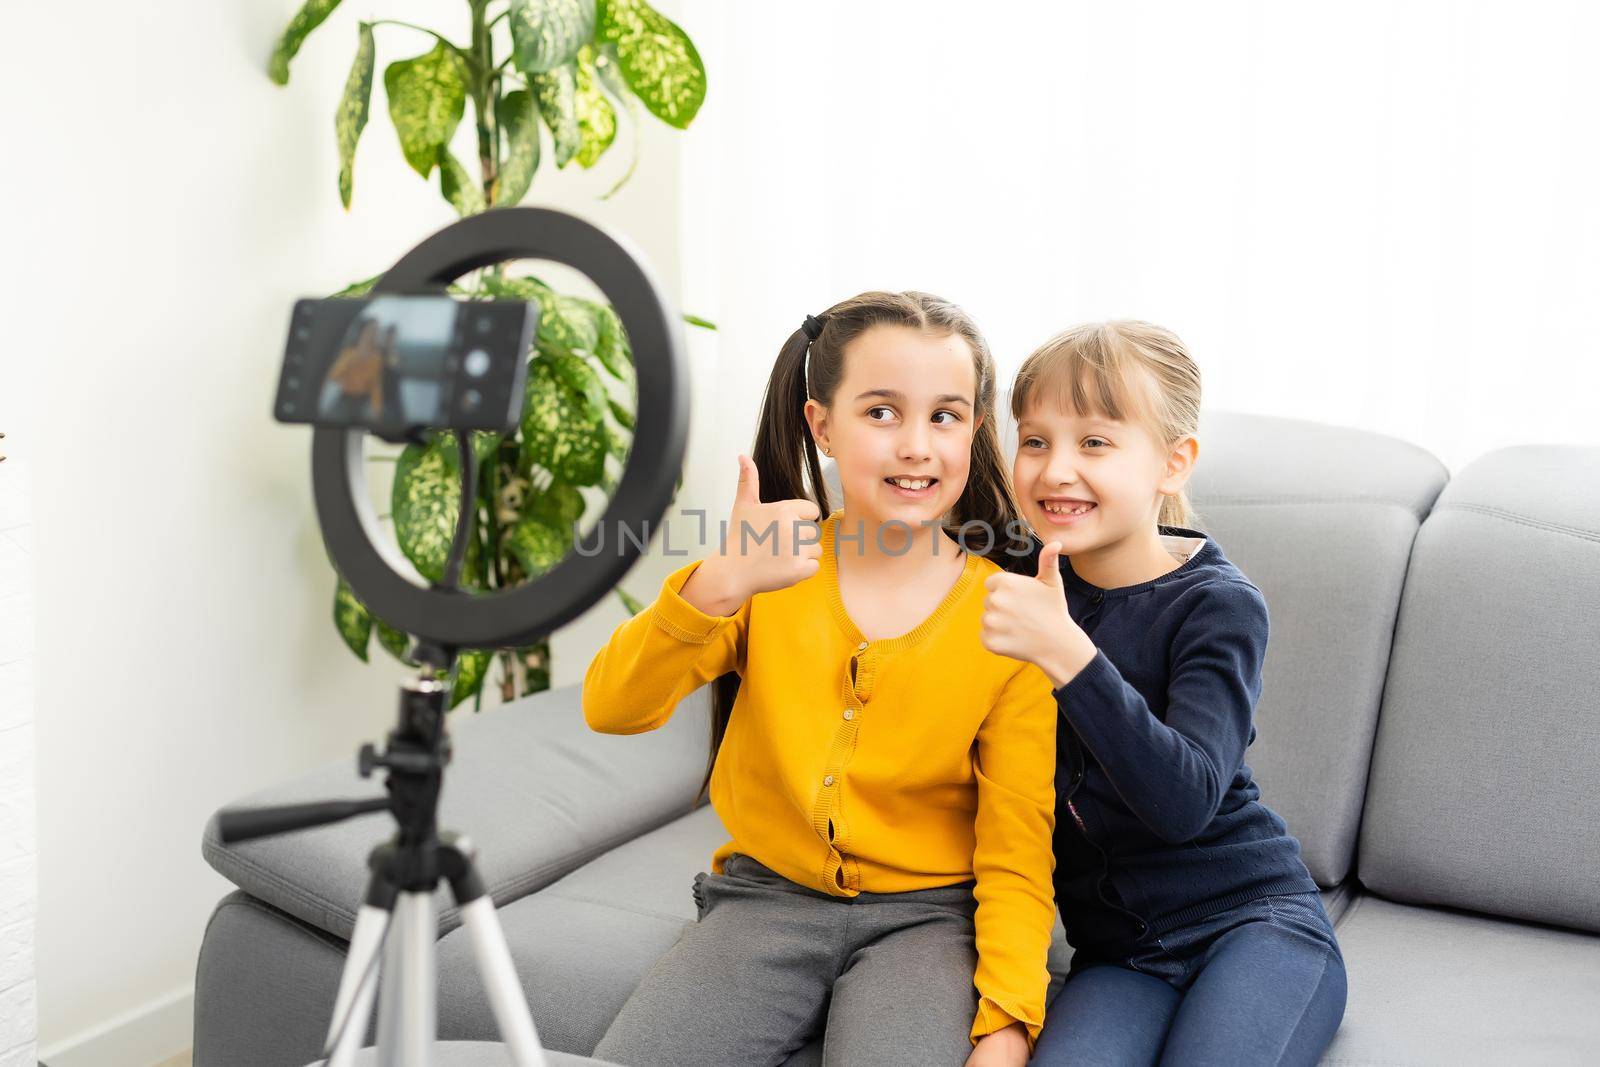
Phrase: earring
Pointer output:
(827, 452)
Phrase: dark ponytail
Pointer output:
(785, 454)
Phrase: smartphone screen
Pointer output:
(396, 363)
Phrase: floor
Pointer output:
(182, 1059)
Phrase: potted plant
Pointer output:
(559, 70)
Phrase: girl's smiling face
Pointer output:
(904, 412)
(1090, 481)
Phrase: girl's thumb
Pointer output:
(1050, 564)
(749, 490)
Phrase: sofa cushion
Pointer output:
(537, 792)
(1321, 519)
(582, 944)
(1435, 986)
(1485, 788)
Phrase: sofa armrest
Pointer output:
(533, 788)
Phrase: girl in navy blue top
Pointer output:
(1199, 935)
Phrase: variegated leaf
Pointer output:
(536, 545)
(427, 96)
(559, 505)
(568, 323)
(395, 643)
(597, 121)
(309, 17)
(658, 61)
(351, 118)
(633, 606)
(561, 431)
(611, 343)
(514, 114)
(472, 667)
(546, 34)
(458, 186)
(557, 94)
(351, 620)
(425, 503)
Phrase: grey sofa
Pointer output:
(1429, 727)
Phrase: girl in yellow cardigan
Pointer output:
(886, 782)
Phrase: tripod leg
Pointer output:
(408, 1015)
(352, 1007)
(506, 999)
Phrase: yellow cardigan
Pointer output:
(935, 764)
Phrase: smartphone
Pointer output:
(398, 364)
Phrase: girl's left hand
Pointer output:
(1003, 1048)
(1027, 619)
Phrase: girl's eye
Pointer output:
(880, 407)
(1093, 439)
(953, 417)
(1033, 442)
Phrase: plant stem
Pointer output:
(483, 97)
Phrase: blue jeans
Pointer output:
(1262, 983)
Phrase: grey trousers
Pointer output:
(885, 978)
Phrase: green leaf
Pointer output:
(308, 18)
(514, 114)
(597, 121)
(696, 320)
(658, 61)
(536, 544)
(425, 503)
(546, 34)
(561, 430)
(633, 606)
(472, 667)
(360, 288)
(568, 323)
(351, 117)
(485, 443)
(458, 186)
(427, 96)
(395, 643)
(536, 661)
(621, 414)
(559, 505)
(557, 94)
(526, 287)
(611, 346)
(580, 377)
(350, 618)
(605, 65)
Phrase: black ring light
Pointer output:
(522, 615)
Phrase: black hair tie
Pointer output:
(812, 326)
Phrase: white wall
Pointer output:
(1374, 214)
(173, 205)
(18, 848)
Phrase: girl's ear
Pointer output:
(817, 419)
(1180, 464)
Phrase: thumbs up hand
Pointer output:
(1026, 618)
(769, 546)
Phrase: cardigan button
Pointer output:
(862, 647)
(849, 714)
(827, 780)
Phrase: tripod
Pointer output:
(396, 924)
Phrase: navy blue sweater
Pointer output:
(1158, 820)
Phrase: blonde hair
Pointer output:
(1124, 370)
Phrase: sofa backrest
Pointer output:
(1321, 518)
(1485, 790)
